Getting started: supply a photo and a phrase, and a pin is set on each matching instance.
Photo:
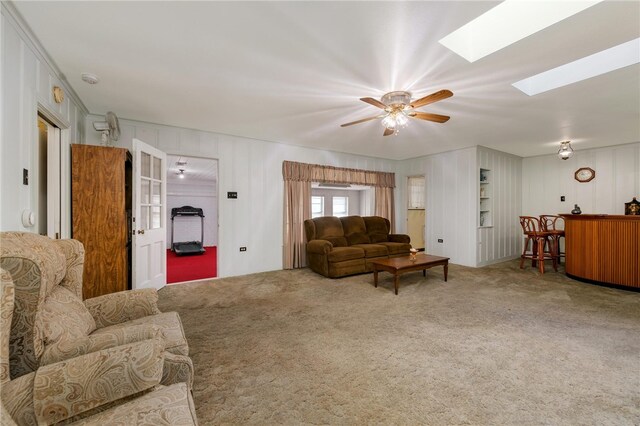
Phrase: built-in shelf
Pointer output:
(485, 217)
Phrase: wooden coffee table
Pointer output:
(400, 265)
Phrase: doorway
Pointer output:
(48, 180)
(192, 213)
(416, 213)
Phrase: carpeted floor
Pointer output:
(493, 346)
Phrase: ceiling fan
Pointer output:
(398, 108)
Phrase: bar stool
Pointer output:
(554, 225)
(540, 240)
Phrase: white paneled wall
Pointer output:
(502, 240)
(28, 78)
(253, 169)
(545, 179)
(450, 180)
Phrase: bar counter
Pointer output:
(603, 248)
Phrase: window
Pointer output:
(317, 206)
(416, 192)
(340, 206)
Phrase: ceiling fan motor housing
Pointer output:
(396, 99)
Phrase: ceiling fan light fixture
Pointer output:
(181, 174)
(401, 119)
(565, 151)
(389, 122)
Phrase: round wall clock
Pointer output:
(585, 174)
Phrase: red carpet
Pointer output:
(189, 268)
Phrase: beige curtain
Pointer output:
(297, 208)
(297, 200)
(385, 205)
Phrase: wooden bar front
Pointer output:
(603, 248)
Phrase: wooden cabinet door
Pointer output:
(99, 217)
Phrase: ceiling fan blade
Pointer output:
(374, 102)
(359, 121)
(430, 117)
(388, 132)
(434, 97)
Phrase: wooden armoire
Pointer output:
(101, 212)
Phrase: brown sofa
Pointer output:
(337, 247)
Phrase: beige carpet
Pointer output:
(494, 345)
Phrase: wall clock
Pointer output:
(585, 174)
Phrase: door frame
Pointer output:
(64, 127)
(217, 194)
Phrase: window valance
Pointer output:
(303, 172)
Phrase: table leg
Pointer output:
(446, 271)
(396, 278)
(375, 277)
(424, 272)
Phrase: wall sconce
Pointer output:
(565, 150)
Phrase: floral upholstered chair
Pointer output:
(52, 323)
(116, 386)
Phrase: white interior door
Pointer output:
(149, 259)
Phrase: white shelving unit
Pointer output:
(485, 216)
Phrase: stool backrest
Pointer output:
(551, 222)
(530, 225)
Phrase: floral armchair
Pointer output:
(52, 323)
(80, 390)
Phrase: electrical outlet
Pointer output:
(562, 198)
(440, 240)
(243, 249)
(25, 177)
(232, 195)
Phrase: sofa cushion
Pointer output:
(355, 230)
(373, 250)
(340, 254)
(397, 248)
(168, 322)
(377, 228)
(330, 228)
(65, 318)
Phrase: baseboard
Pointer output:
(493, 262)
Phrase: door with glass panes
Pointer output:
(149, 267)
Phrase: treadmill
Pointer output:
(187, 247)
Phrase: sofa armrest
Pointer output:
(17, 401)
(319, 246)
(68, 388)
(399, 238)
(98, 341)
(116, 308)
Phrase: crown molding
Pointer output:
(17, 21)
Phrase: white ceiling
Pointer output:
(197, 170)
(292, 72)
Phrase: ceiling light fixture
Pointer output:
(614, 58)
(565, 150)
(181, 174)
(398, 106)
(508, 23)
(90, 78)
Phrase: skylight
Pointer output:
(507, 23)
(608, 60)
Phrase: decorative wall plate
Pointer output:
(58, 94)
(585, 174)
